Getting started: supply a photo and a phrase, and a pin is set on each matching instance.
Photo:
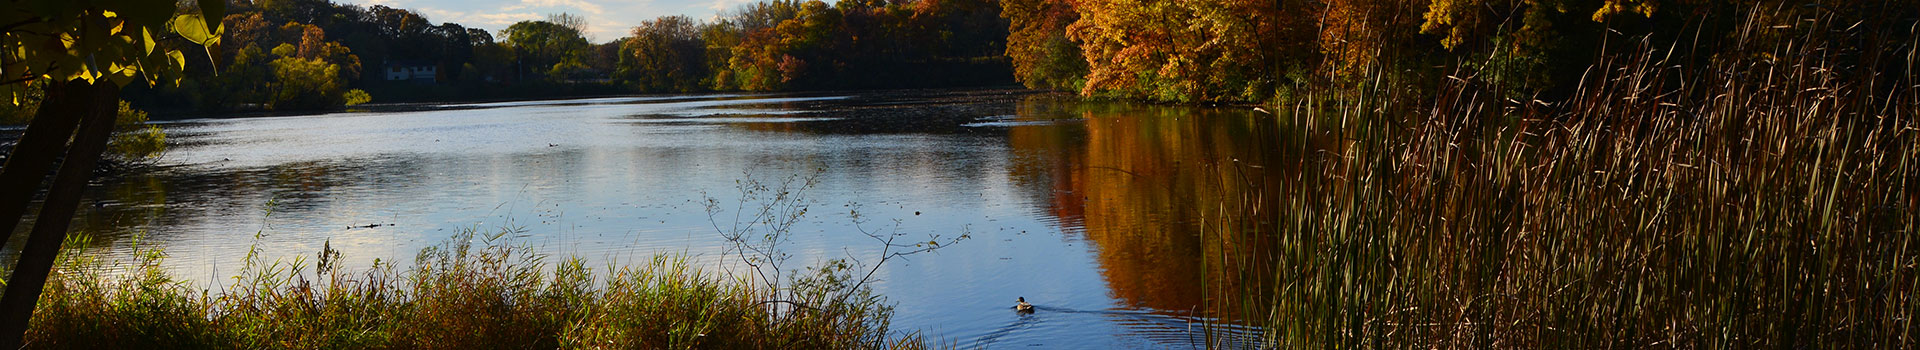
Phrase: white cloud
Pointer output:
(727, 5)
(471, 19)
(505, 19)
(606, 19)
(589, 8)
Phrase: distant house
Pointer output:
(416, 71)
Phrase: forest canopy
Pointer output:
(1238, 51)
(316, 54)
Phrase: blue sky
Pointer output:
(606, 19)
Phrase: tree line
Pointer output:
(1247, 51)
(789, 45)
(316, 54)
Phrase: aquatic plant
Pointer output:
(1761, 197)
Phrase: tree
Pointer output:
(664, 54)
(576, 23)
(1197, 51)
(492, 61)
(301, 70)
(720, 38)
(304, 83)
(84, 51)
(1043, 57)
(1355, 33)
(793, 53)
(456, 51)
(544, 46)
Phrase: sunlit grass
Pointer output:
(473, 292)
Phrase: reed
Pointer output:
(1762, 196)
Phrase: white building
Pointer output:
(416, 71)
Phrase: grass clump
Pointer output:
(472, 292)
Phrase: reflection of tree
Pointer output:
(136, 201)
(1165, 193)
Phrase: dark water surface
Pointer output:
(1090, 210)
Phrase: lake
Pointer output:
(1090, 210)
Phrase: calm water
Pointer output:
(1089, 210)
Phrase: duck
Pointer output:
(1023, 306)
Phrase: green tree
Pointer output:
(545, 48)
(493, 61)
(302, 83)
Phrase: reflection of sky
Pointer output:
(577, 171)
(607, 20)
(594, 178)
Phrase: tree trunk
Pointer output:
(46, 137)
(98, 103)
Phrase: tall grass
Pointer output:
(1763, 196)
(473, 292)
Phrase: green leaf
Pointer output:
(194, 29)
(212, 11)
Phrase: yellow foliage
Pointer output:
(94, 40)
(1643, 8)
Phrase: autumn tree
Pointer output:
(1531, 46)
(1189, 51)
(664, 54)
(1037, 44)
(1355, 35)
(291, 66)
(793, 52)
(719, 37)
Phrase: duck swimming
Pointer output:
(1023, 306)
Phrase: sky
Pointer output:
(607, 20)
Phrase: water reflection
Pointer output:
(1120, 221)
(1166, 194)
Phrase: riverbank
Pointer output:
(484, 102)
(472, 292)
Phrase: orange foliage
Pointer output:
(1355, 33)
(1188, 51)
(1037, 44)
